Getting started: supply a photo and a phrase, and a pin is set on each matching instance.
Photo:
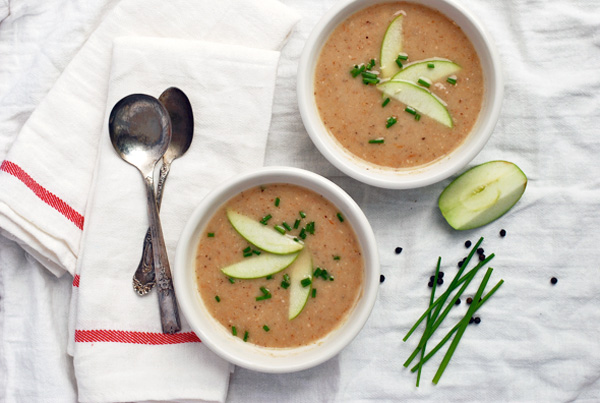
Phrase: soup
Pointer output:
(359, 116)
(242, 306)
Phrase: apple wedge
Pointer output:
(259, 266)
(299, 293)
(262, 236)
(391, 46)
(419, 98)
(413, 71)
(482, 194)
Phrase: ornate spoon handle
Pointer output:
(143, 278)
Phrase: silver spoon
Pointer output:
(182, 129)
(140, 131)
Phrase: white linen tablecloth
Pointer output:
(536, 342)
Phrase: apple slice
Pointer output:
(300, 270)
(391, 46)
(262, 236)
(482, 194)
(419, 98)
(259, 266)
(442, 68)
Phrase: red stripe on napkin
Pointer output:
(122, 336)
(46, 196)
(76, 280)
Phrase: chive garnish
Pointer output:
(428, 322)
(248, 249)
(376, 141)
(336, 258)
(410, 110)
(417, 117)
(402, 56)
(371, 64)
(391, 121)
(266, 218)
(366, 74)
(387, 101)
(217, 298)
(269, 277)
(302, 214)
(286, 277)
(234, 330)
(211, 234)
(296, 223)
(305, 282)
(424, 82)
(302, 233)
(399, 63)
(357, 70)
(317, 272)
(264, 290)
(279, 229)
(340, 217)
(314, 292)
(266, 294)
(277, 200)
(247, 254)
(367, 80)
(451, 80)
(430, 65)
(266, 328)
(286, 226)
(232, 281)
(246, 335)
(285, 285)
(256, 252)
(310, 227)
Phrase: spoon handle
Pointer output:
(143, 278)
(169, 313)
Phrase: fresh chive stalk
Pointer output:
(428, 323)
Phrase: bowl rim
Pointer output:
(248, 355)
(419, 176)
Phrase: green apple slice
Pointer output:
(391, 46)
(419, 98)
(482, 194)
(300, 270)
(259, 266)
(442, 68)
(262, 236)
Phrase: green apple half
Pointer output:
(259, 266)
(301, 269)
(262, 236)
(419, 98)
(482, 194)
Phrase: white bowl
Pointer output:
(214, 335)
(388, 177)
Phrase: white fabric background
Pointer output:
(536, 342)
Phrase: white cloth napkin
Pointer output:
(50, 183)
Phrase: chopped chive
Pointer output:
(269, 277)
(217, 298)
(371, 64)
(286, 226)
(357, 70)
(296, 240)
(279, 229)
(266, 328)
(399, 63)
(376, 141)
(232, 281)
(366, 74)
(340, 217)
(387, 101)
(368, 81)
(211, 234)
(417, 117)
(286, 277)
(264, 290)
(410, 110)
(256, 252)
(234, 330)
(246, 335)
(314, 292)
(451, 80)
(248, 254)
(296, 224)
(248, 249)
(430, 65)
(391, 121)
(285, 285)
(266, 218)
(302, 214)
(402, 56)
(310, 227)
(302, 233)
(336, 258)
(424, 82)
(277, 202)
(331, 278)
(317, 272)
(263, 297)
(305, 282)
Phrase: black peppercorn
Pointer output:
(477, 320)
(468, 244)
(482, 257)
(503, 233)
(554, 280)
(480, 251)
(398, 250)
(441, 274)
(430, 284)
(457, 302)
(440, 281)
(469, 300)
(471, 320)
(381, 278)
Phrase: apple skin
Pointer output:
(482, 194)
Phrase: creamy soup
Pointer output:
(334, 248)
(353, 112)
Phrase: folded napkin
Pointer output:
(62, 168)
